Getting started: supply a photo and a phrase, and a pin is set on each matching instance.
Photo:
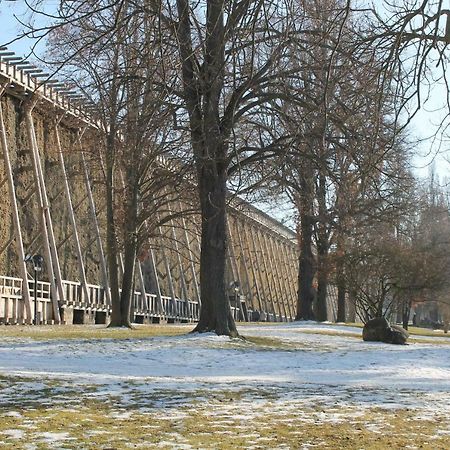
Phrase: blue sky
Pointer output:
(422, 126)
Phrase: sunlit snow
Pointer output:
(307, 365)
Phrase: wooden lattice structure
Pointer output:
(50, 204)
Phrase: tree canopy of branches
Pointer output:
(119, 69)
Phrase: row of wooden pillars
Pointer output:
(262, 262)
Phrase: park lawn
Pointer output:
(224, 420)
(301, 385)
(44, 332)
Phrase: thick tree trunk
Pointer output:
(322, 288)
(352, 306)
(203, 96)
(122, 318)
(406, 311)
(341, 315)
(127, 282)
(215, 313)
(306, 270)
(322, 252)
(111, 233)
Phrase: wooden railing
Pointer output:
(12, 308)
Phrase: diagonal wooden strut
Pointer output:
(15, 215)
(74, 234)
(50, 251)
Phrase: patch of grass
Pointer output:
(417, 331)
(270, 343)
(330, 333)
(218, 423)
(413, 331)
(46, 332)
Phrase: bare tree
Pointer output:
(115, 62)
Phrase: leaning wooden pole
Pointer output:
(15, 215)
(50, 252)
(184, 288)
(93, 211)
(268, 279)
(234, 267)
(76, 239)
(191, 257)
(154, 270)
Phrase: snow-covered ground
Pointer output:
(293, 364)
(295, 356)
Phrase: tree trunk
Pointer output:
(127, 281)
(215, 313)
(322, 287)
(352, 306)
(341, 315)
(306, 270)
(130, 244)
(111, 233)
(406, 311)
(322, 253)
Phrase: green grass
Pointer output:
(45, 332)
(203, 418)
(413, 331)
(221, 420)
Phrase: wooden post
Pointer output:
(50, 252)
(169, 276)
(243, 261)
(255, 273)
(15, 215)
(158, 286)
(284, 279)
(234, 268)
(276, 270)
(291, 278)
(268, 283)
(184, 289)
(98, 238)
(191, 258)
(81, 268)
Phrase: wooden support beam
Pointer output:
(276, 275)
(74, 232)
(28, 196)
(6, 245)
(279, 262)
(93, 212)
(234, 268)
(50, 252)
(58, 194)
(268, 279)
(184, 289)
(78, 205)
(158, 286)
(255, 274)
(4, 181)
(15, 214)
(169, 277)
(61, 243)
(33, 241)
(141, 281)
(291, 277)
(191, 257)
(242, 263)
